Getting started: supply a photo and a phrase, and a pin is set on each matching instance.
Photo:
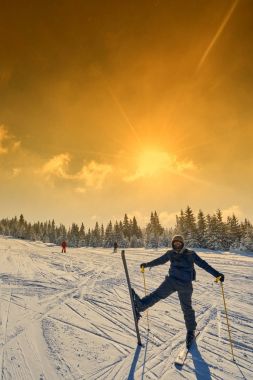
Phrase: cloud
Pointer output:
(16, 145)
(168, 219)
(92, 174)
(152, 163)
(80, 190)
(4, 135)
(234, 209)
(142, 219)
(7, 141)
(57, 167)
(5, 75)
(16, 172)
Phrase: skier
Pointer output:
(115, 247)
(180, 277)
(63, 245)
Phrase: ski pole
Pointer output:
(145, 288)
(225, 307)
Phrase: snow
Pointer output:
(68, 316)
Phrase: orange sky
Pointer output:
(114, 107)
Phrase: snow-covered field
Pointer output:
(68, 316)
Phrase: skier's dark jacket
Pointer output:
(182, 264)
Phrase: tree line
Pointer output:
(200, 231)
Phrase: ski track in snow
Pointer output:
(68, 316)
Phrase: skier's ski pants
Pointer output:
(184, 290)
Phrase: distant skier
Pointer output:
(115, 247)
(179, 279)
(64, 246)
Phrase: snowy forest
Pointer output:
(200, 231)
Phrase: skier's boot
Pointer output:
(137, 304)
(190, 338)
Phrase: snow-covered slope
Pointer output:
(68, 316)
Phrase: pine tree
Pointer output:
(108, 242)
(81, 240)
(88, 238)
(102, 235)
(73, 235)
(233, 232)
(154, 231)
(126, 227)
(95, 236)
(191, 235)
(166, 237)
(212, 228)
(221, 231)
(201, 230)
(45, 234)
(21, 227)
(52, 232)
(209, 232)
(180, 224)
(61, 234)
(28, 232)
(124, 240)
(247, 239)
(118, 234)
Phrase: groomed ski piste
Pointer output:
(68, 316)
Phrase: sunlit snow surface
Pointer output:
(68, 316)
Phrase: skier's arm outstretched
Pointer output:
(161, 260)
(204, 265)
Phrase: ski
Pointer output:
(182, 355)
(131, 298)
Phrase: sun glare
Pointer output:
(151, 162)
(155, 162)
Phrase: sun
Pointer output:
(156, 163)
(153, 161)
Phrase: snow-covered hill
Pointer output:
(68, 316)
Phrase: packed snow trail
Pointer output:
(68, 316)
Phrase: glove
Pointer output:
(144, 265)
(222, 277)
